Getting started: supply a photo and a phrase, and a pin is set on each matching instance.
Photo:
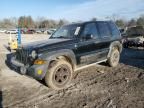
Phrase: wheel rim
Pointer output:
(115, 58)
(62, 75)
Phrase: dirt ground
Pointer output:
(98, 86)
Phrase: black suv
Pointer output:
(70, 48)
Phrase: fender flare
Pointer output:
(55, 54)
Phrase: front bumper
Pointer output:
(36, 71)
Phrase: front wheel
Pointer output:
(59, 75)
(113, 60)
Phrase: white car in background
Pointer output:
(39, 32)
(50, 31)
(13, 31)
(2, 31)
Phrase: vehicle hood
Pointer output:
(47, 44)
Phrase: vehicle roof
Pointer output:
(83, 23)
(94, 21)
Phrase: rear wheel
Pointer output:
(113, 60)
(59, 75)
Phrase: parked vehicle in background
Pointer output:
(135, 31)
(70, 48)
(134, 37)
(39, 32)
(2, 31)
(30, 31)
(12, 31)
(50, 31)
(23, 31)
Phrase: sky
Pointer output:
(72, 10)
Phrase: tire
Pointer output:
(113, 60)
(59, 75)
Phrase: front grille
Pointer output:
(22, 56)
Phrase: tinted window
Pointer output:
(90, 29)
(114, 29)
(103, 29)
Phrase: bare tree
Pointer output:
(120, 23)
(132, 22)
(26, 22)
(140, 21)
(7, 23)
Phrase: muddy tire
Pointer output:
(59, 75)
(113, 60)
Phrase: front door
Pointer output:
(89, 46)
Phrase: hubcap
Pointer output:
(115, 58)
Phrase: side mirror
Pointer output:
(123, 34)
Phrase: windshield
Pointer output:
(68, 31)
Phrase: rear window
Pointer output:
(103, 29)
(114, 29)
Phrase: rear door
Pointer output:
(105, 36)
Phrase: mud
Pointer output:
(97, 86)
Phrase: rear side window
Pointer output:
(114, 29)
(103, 29)
(90, 29)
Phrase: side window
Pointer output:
(90, 29)
(114, 29)
(103, 29)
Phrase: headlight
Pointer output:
(33, 54)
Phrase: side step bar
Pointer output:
(83, 67)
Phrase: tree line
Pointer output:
(41, 22)
(29, 22)
(130, 23)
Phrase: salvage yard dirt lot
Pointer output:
(97, 86)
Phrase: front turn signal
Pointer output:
(39, 62)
